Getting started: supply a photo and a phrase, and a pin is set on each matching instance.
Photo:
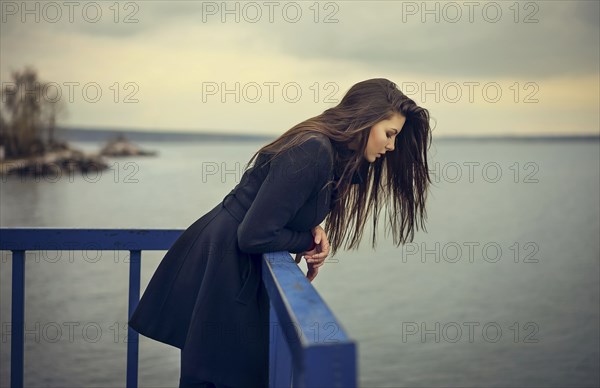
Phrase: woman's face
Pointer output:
(383, 136)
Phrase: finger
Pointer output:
(321, 259)
(315, 261)
(317, 257)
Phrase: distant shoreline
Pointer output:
(104, 134)
(521, 138)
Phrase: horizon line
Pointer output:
(221, 132)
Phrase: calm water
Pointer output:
(502, 289)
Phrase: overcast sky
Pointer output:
(482, 68)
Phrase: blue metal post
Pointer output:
(135, 257)
(17, 340)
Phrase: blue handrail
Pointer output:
(309, 346)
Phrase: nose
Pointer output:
(387, 147)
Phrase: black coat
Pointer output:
(206, 296)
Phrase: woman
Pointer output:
(206, 296)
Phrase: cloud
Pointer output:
(385, 37)
(176, 47)
(483, 39)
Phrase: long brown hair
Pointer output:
(400, 179)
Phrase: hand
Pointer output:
(315, 257)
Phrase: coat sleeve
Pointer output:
(294, 176)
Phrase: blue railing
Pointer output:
(309, 347)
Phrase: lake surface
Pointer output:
(501, 290)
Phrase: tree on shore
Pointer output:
(28, 129)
